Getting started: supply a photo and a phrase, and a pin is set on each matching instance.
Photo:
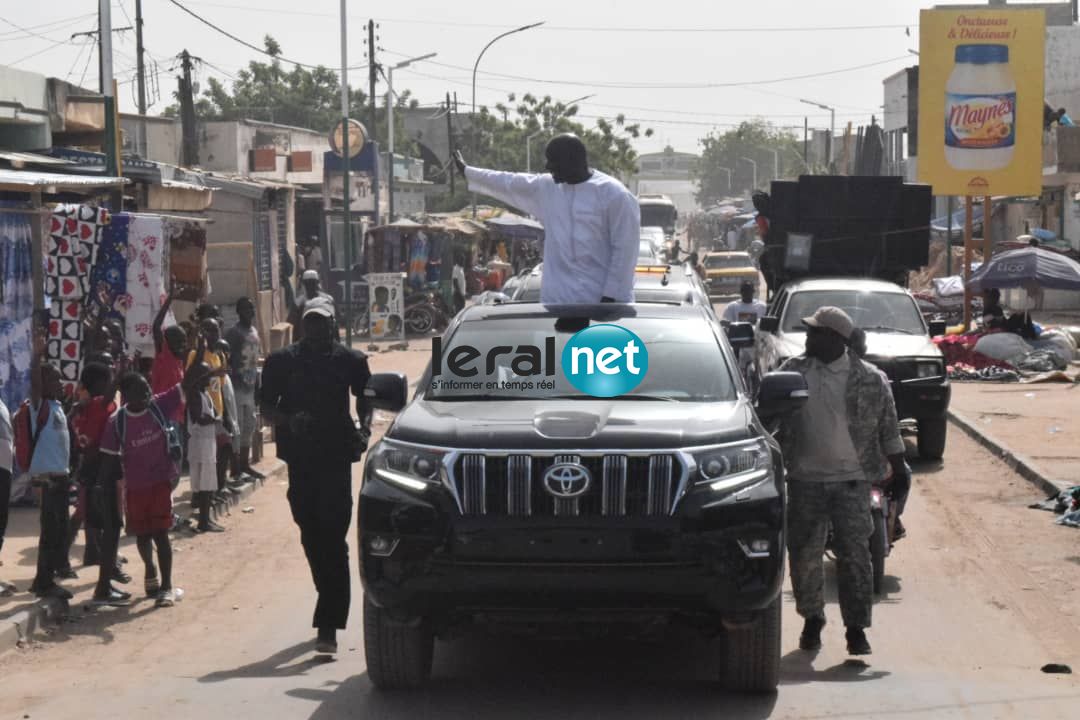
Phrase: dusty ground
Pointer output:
(980, 596)
(1041, 421)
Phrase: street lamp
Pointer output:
(528, 140)
(728, 171)
(476, 66)
(832, 124)
(754, 163)
(390, 119)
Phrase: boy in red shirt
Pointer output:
(170, 351)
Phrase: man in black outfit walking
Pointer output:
(305, 392)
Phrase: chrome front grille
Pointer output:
(621, 486)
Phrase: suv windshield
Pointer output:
(882, 312)
(713, 262)
(686, 363)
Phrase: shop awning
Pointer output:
(47, 182)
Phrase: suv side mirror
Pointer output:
(781, 393)
(387, 391)
(740, 335)
(938, 328)
(769, 324)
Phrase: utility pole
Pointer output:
(806, 143)
(451, 170)
(373, 70)
(141, 144)
(139, 51)
(112, 151)
(346, 216)
(189, 145)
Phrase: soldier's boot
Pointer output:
(811, 635)
(857, 644)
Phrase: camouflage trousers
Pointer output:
(812, 506)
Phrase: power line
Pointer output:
(576, 28)
(31, 33)
(52, 26)
(246, 44)
(677, 86)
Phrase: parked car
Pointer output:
(526, 507)
(897, 339)
(726, 271)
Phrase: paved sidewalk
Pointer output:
(1037, 423)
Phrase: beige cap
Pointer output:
(832, 318)
(319, 306)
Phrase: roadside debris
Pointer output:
(1057, 669)
(1066, 504)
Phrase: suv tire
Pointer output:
(398, 653)
(932, 433)
(752, 654)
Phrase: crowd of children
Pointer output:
(118, 461)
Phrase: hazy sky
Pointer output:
(639, 58)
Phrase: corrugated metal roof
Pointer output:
(20, 158)
(22, 181)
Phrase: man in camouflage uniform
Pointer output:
(834, 447)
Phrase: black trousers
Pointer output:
(5, 503)
(320, 497)
(102, 496)
(52, 539)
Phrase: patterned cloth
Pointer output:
(145, 280)
(187, 254)
(418, 259)
(108, 277)
(16, 306)
(64, 347)
(71, 249)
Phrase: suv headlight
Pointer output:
(729, 468)
(929, 368)
(407, 466)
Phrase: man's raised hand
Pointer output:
(459, 162)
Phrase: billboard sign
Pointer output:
(981, 101)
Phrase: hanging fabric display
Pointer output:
(74, 235)
(108, 276)
(145, 280)
(435, 253)
(418, 257)
(16, 304)
(187, 255)
(64, 348)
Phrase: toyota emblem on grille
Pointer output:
(567, 480)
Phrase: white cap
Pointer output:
(309, 275)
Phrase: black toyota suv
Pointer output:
(543, 505)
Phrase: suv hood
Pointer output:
(878, 344)
(575, 424)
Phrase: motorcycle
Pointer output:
(424, 312)
(884, 512)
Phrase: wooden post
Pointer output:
(969, 221)
(988, 243)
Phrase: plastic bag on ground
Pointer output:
(1003, 346)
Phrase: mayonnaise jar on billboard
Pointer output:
(980, 109)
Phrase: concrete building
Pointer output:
(668, 173)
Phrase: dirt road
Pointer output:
(981, 594)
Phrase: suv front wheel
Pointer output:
(398, 653)
(752, 653)
(932, 433)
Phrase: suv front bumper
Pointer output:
(444, 564)
(917, 399)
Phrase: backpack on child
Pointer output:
(26, 432)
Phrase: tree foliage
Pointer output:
(755, 140)
(272, 92)
(499, 137)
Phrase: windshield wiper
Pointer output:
(886, 328)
